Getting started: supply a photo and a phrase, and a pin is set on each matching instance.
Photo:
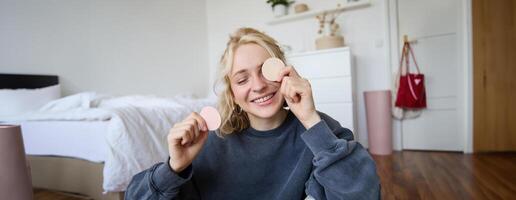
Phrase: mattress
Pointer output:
(75, 139)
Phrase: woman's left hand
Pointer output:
(298, 95)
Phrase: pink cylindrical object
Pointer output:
(14, 176)
(379, 123)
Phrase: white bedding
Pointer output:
(19, 101)
(136, 130)
(76, 139)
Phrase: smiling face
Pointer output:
(257, 96)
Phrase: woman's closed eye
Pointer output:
(241, 81)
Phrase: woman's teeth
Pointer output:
(263, 99)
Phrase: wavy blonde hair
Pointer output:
(234, 119)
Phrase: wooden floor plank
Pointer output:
(447, 175)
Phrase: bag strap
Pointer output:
(398, 73)
(405, 57)
(411, 52)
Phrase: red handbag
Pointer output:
(411, 91)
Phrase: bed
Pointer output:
(93, 144)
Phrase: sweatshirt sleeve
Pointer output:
(342, 168)
(158, 182)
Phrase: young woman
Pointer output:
(261, 151)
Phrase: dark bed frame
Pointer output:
(23, 81)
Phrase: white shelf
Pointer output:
(313, 52)
(313, 13)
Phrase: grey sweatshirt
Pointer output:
(288, 162)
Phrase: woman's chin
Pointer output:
(265, 115)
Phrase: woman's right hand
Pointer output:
(185, 141)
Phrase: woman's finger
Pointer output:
(288, 71)
(293, 95)
(200, 121)
(192, 129)
(295, 88)
(283, 88)
(197, 124)
(293, 72)
(174, 136)
(295, 91)
(186, 136)
(193, 126)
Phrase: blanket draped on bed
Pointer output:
(137, 130)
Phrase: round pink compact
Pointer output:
(211, 116)
(271, 68)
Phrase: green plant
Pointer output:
(279, 2)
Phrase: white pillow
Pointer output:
(15, 102)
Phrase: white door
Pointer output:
(436, 28)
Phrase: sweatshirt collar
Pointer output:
(273, 132)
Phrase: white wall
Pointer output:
(365, 31)
(151, 47)
(117, 46)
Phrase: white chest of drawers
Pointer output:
(331, 75)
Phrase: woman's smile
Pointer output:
(264, 100)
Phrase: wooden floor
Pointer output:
(427, 175)
(445, 175)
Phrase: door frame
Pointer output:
(465, 96)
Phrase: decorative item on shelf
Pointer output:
(328, 29)
(280, 7)
(299, 8)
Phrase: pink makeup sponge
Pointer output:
(271, 68)
(211, 116)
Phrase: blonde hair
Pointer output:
(234, 119)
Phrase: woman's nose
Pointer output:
(259, 83)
